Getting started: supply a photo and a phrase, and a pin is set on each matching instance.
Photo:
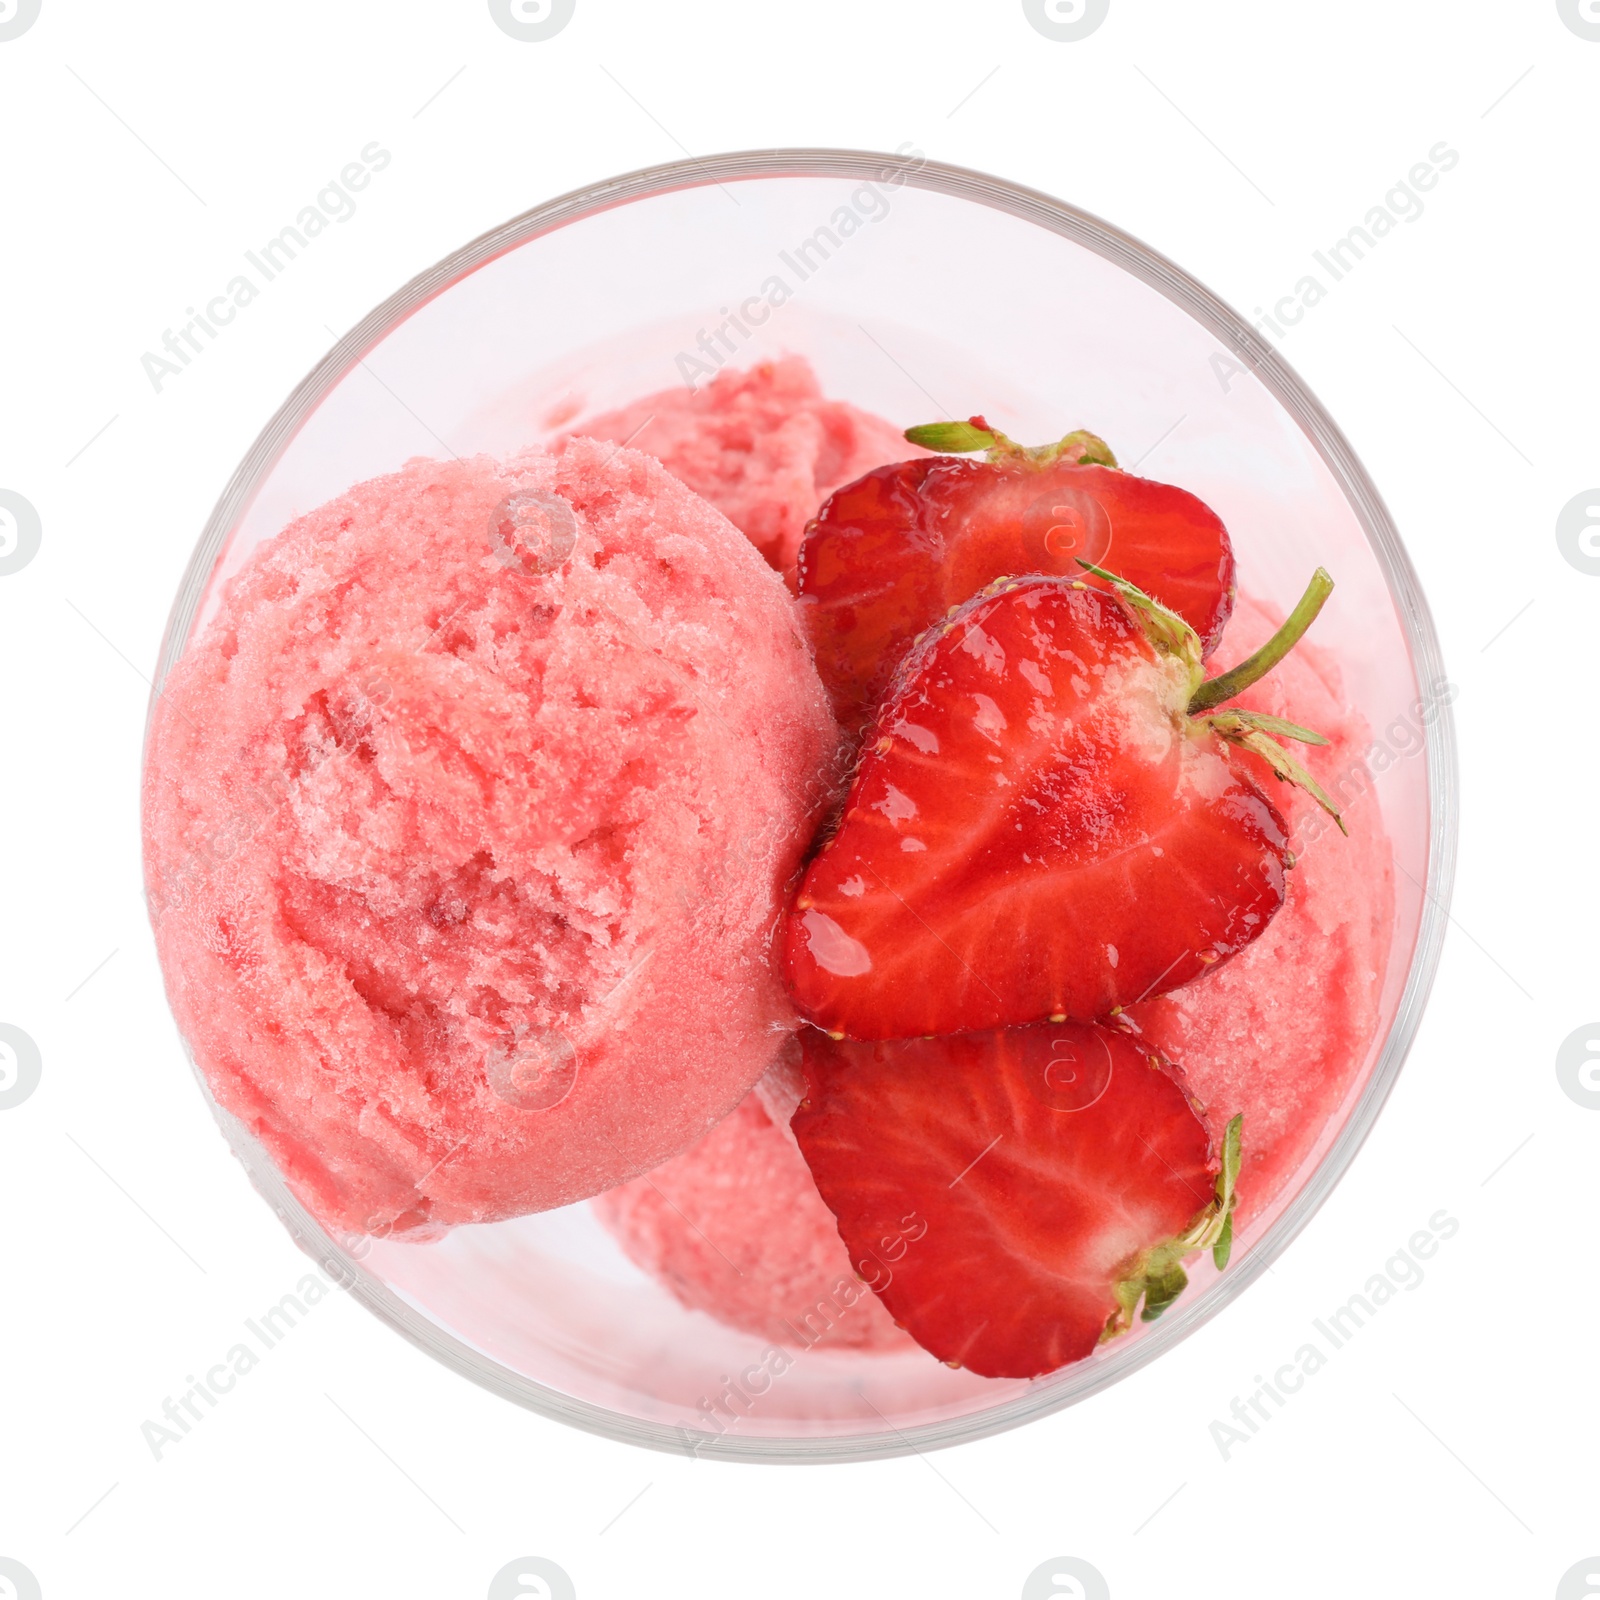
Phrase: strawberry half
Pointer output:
(891, 553)
(1012, 1197)
(1050, 823)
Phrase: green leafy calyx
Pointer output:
(1255, 731)
(1156, 1276)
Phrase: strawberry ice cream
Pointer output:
(1282, 1030)
(472, 813)
(763, 446)
(450, 834)
(735, 1227)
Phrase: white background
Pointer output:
(1448, 1449)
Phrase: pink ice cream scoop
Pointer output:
(734, 1227)
(1283, 1030)
(467, 822)
(762, 445)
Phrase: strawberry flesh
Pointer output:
(1039, 830)
(996, 1189)
(891, 553)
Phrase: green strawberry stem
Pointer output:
(953, 438)
(1156, 1275)
(1253, 668)
(1250, 730)
(961, 438)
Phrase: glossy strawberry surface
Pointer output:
(889, 554)
(1039, 829)
(1003, 1192)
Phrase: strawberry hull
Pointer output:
(1038, 831)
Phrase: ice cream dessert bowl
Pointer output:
(488, 749)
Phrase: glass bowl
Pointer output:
(918, 291)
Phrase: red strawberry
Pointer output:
(1012, 1196)
(1049, 824)
(891, 553)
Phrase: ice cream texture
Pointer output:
(467, 822)
(763, 445)
(734, 1226)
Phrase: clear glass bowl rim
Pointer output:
(1063, 1389)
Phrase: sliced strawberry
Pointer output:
(891, 553)
(1042, 827)
(1011, 1197)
